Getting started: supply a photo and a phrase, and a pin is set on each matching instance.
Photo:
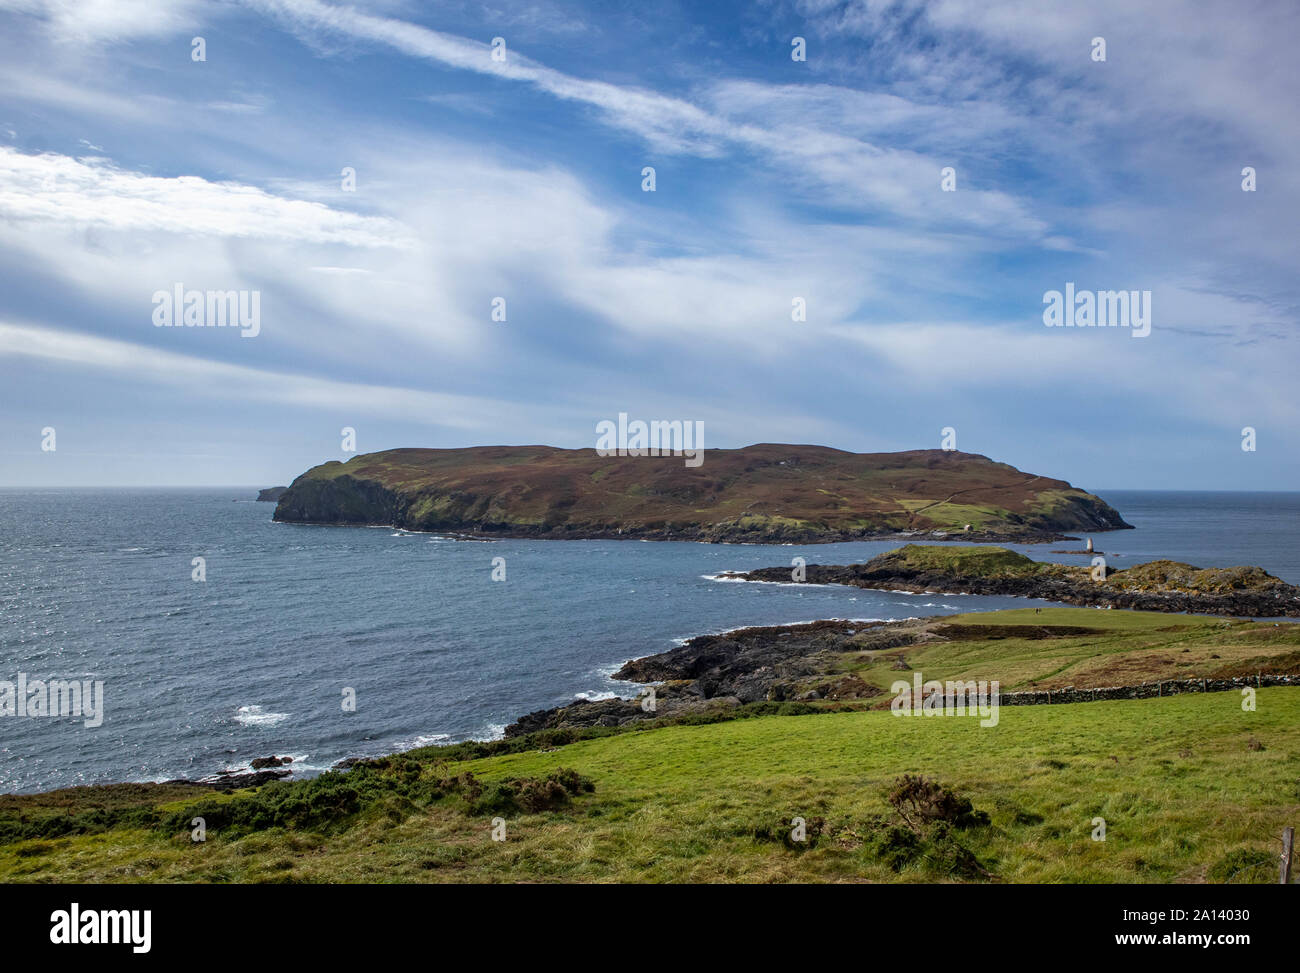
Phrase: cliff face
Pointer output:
(765, 493)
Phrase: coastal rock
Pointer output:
(670, 702)
(750, 664)
(1165, 586)
(230, 782)
(717, 673)
(271, 494)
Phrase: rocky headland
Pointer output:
(1165, 586)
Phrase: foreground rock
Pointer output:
(716, 673)
(258, 763)
(766, 493)
(237, 781)
(670, 702)
(261, 772)
(1165, 586)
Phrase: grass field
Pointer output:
(1120, 648)
(1192, 789)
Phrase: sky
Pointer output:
(498, 151)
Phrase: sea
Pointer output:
(323, 643)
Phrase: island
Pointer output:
(1163, 586)
(766, 493)
(271, 494)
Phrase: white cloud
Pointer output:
(773, 121)
(199, 377)
(92, 192)
(110, 20)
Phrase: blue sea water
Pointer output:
(203, 676)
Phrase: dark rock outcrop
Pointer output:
(230, 782)
(712, 673)
(258, 763)
(1164, 586)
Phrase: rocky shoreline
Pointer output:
(710, 676)
(1162, 586)
(710, 534)
(260, 772)
(793, 668)
(705, 674)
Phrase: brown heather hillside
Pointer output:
(767, 492)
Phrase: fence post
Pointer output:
(1288, 840)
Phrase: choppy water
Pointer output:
(200, 677)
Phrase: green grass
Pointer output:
(1192, 789)
(964, 561)
(1116, 648)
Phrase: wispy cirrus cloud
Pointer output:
(763, 119)
(224, 380)
(76, 21)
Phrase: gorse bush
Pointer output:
(21, 826)
(393, 787)
(782, 829)
(531, 795)
(388, 788)
(919, 800)
(921, 833)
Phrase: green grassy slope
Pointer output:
(1112, 648)
(1192, 788)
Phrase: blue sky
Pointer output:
(126, 166)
